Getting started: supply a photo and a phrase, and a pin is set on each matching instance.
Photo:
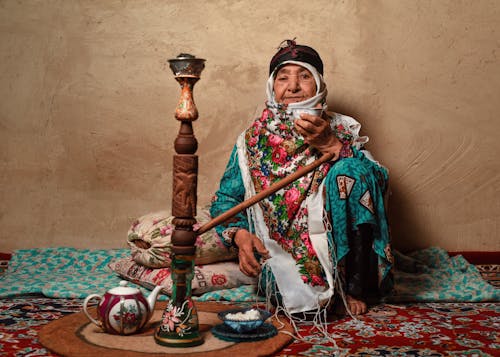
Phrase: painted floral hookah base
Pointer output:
(179, 326)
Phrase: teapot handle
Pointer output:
(85, 303)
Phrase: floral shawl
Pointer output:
(273, 152)
(268, 151)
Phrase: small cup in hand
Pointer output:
(312, 111)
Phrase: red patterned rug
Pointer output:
(430, 329)
(424, 329)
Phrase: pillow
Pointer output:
(218, 276)
(150, 241)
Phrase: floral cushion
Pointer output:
(150, 241)
(217, 276)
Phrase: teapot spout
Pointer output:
(152, 298)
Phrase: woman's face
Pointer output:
(293, 83)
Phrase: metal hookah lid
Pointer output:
(186, 64)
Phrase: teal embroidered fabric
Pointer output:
(230, 193)
(355, 188)
(76, 273)
(60, 272)
(247, 293)
(431, 275)
(428, 275)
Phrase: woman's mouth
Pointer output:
(293, 99)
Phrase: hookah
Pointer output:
(179, 326)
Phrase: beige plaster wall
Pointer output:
(87, 101)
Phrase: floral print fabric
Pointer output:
(210, 277)
(354, 193)
(274, 151)
(155, 230)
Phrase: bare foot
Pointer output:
(356, 307)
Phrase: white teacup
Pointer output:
(313, 111)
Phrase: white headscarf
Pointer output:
(319, 98)
(321, 92)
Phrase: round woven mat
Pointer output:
(75, 335)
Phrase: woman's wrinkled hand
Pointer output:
(318, 133)
(248, 244)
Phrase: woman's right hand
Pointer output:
(248, 244)
(318, 133)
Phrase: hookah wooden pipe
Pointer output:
(265, 193)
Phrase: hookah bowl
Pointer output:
(179, 325)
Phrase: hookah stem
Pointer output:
(265, 193)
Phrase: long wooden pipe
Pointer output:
(263, 194)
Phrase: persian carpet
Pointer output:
(393, 329)
(424, 329)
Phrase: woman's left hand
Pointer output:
(318, 133)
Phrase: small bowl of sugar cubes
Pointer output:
(245, 319)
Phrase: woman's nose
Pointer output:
(294, 84)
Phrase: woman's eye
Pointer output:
(282, 78)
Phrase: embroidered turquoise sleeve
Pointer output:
(231, 192)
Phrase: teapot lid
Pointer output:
(123, 289)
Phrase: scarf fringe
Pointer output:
(320, 315)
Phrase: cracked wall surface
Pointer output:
(87, 126)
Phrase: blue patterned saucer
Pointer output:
(264, 331)
(244, 326)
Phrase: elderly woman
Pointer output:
(325, 235)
